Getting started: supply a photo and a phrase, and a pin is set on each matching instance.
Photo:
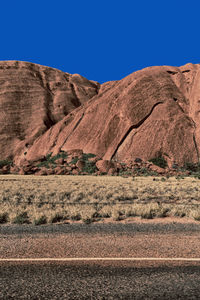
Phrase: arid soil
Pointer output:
(57, 199)
(135, 239)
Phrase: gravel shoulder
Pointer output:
(136, 239)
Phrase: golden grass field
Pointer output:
(51, 199)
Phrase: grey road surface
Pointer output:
(96, 279)
(99, 281)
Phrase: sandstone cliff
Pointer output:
(33, 99)
(152, 112)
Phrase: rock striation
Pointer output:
(151, 113)
(33, 99)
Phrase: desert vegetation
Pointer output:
(40, 200)
(5, 163)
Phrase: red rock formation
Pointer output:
(33, 98)
(149, 113)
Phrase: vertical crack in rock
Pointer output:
(196, 147)
(39, 76)
(48, 103)
(75, 126)
(134, 127)
(98, 86)
(49, 120)
(78, 122)
(51, 143)
(194, 139)
(55, 141)
(76, 100)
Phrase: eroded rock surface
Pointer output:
(33, 99)
(150, 113)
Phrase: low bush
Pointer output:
(90, 166)
(74, 161)
(159, 161)
(85, 156)
(41, 220)
(22, 218)
(192, 167)
(87, 220)
(125, 172)
(57, 218)
(75, 217)
(5, 163)
(145, 172)
(163, 179)
(3, 218)
(51, 160)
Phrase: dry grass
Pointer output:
(54, 199)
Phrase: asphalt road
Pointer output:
(96, 279)
(99, 281)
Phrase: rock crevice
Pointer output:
(134, 127)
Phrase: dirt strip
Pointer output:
(157, 240)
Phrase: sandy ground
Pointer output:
(142, 238)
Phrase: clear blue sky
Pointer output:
(101, 40)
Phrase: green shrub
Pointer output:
(43, 164)
(124, 172)
(85, 156)
(51, 160)
(61, 154)
(48, 156)
(163, 179)
(5, 163)
(145, 172)
(90, 167)
(191, 167)
(3, 218)
(87, 220)
(22, 218)
(74, 161)
(159, 161)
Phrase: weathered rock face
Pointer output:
(149, 113)
(33, 98)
